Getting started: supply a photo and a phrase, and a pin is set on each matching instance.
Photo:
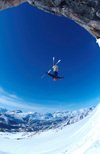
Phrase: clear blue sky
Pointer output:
(29, 38)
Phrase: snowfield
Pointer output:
(82, 137)
(98, 41)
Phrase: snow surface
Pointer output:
(82, 137)
(98, 41)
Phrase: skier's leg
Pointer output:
(55, 74)
(50, 74)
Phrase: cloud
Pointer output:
(14, 102)
(98, 41)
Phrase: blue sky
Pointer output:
(29, 38)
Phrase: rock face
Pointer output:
(9, 3)
(84, 12)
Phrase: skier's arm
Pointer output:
(58, 77)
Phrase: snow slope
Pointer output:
(82, 137)
(98, 41)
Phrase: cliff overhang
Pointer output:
(84, 12)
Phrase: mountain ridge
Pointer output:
(80, 137)
(18, 121)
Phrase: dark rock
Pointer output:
(84, 12)
(98, 13)
(9, 3)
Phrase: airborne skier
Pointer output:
(55, 70)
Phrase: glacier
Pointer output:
(82, 137)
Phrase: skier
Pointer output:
(55, 71)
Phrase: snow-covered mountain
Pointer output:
(82, 137)
(18, 121)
